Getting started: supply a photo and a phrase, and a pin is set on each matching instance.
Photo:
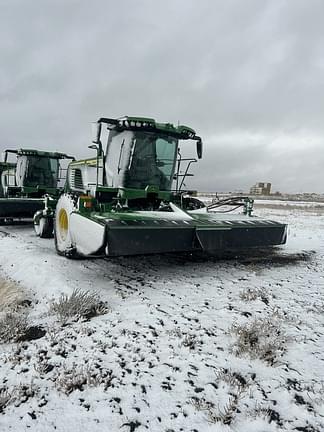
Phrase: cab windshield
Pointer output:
(152, 161)
(42, 171)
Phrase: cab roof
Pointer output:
(39, 153)
(150, 125)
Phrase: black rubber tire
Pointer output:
(44, 229)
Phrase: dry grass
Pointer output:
(262, 338)
(267, 413)
(5, 398)
(13, 315)
(79, 305)
(13, 326)
(237, 388)
(78, 377)
(188, 340)
(17, 395)
(251, 294)
(232, 379)
(11, 295)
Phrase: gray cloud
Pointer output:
(248, 76)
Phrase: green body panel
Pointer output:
(201, 220)
(89, 162)
(29, 190)
(20, 208)
(127, 193)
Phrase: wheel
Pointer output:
(63, 243)
(44, 228)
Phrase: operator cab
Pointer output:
(136, 159)
(34, 173)
(37, 171)
(141, 154)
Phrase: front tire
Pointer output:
(44, 228)
(63, 242)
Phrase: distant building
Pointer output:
(261, 189)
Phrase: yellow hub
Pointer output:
(63, 223)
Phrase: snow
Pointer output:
(167, 337)
(301, 204)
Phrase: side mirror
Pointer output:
(96, 132)
(199, 148)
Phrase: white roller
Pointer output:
(87, 236)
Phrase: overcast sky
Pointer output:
(248, 76)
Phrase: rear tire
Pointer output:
(63, 242)
(44, 228)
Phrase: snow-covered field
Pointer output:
(313, 206)
(184, 344)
